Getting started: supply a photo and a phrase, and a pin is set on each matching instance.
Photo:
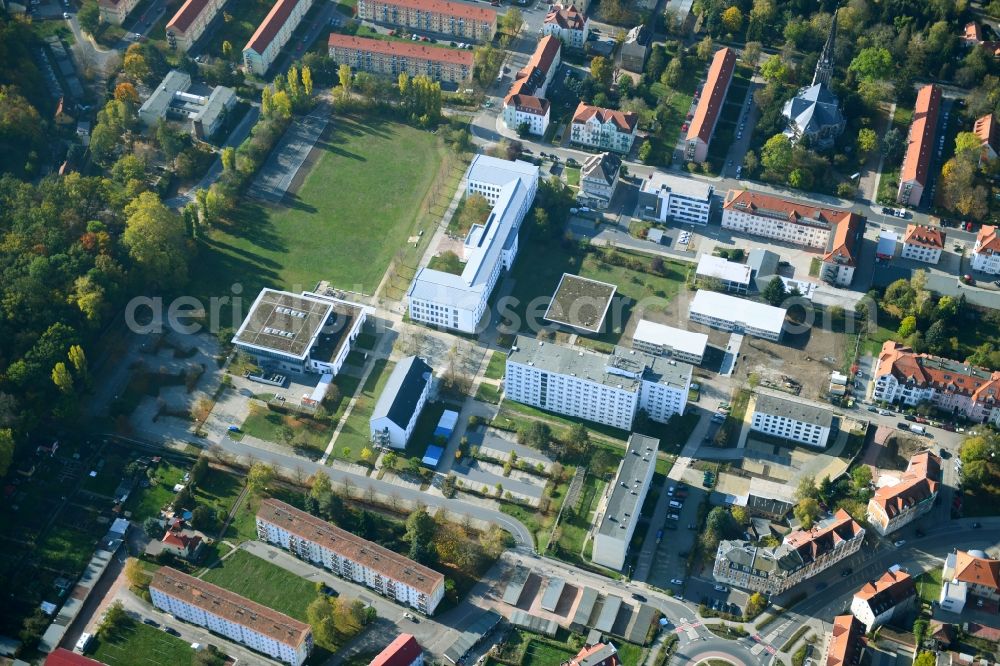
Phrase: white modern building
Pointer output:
(568, 25)
(272, 34)
(922, 243)
(986, 251)
(794, 420)
(403, 398)
(604, 388)
(618, 511)
(305, 332)
(349, 556)
(604, 129)
(525, 103)
(599, 180)
(234, 617)
(661, 340)
(459, 301)
(730, 313)
(668, 198)
(174, 100)
(734, 277)
(879, 601)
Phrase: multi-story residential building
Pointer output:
(116, 11)
(668, 198)
(802, 555)
(969, 576)
(618, 511)
(923, 243)
(878, 601)
(659, 340)
(349, 556)
(897, 504)
(903, 376)
(190, 21)
(734, 277)
(392, 58)
(399, 405)
(598, 180)
(846, 646)
(987, 131)
(237, 618)
(842, 250)
(920, 147)
(404, 650)
(986, 251)
(272, 34)
(568, 25)
(305, 332)
(605, 129)
(730, 313)
(605, 388)
(635, 49)
(794, 420)
(713, 96)
(760, 214)
(525, 103)
(456, 19)
(459, 302)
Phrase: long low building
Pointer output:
(713, 96)
(349, 556)
(735, 277)
(392, 58)
(729, 313)
(604, 388)
(272, 34)
(667, 198)
(916, 169)
(457, 19)
(897, 504)
(794, 420)
(237, 618)
(459, 302)
(661, 340)
(190, 21)
(618, 511)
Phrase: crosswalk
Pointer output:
(688, 628)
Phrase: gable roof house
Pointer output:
(846, 646)
(879, 601)
(894, 505)
(525, 102)
(606, 129)
(713, 95)
(969, 575)
(986, 251)
(920, 146)
(598, 180)
(567, 24)
(986, 129)
(399, 406)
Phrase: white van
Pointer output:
(81, 645)
(674, 504)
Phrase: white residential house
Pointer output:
(116, 11)
(402, 399)
(190, 21)
(986, 251)
(660, 340)
(667, 198)
(525, 102)
(730, 313)
(567, 24)
(735, 277)
(604, 129)
(599, 180)
(922, 243)
(879, 601)
(969, 576)
(272, 34)
(795, 420)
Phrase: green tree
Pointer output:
(307, 80)
(199, 470)
(89, 16)
(229, 159)
(861, 476)
(806, 488)
(774, 69)
(319, 615)
(874, 62)
(925, 658)
(344, 76)
(259, 477)
(155, 240)
(645, 152)
(732, 19)
(806, 512)
(800, 178)
(535, 434)
(78, 359)
(389, 460)
(152, 528)
(62, 378)
(320, 485)
(114, 622)
(673, 74)
(227, 49)
(420, 531)
(907, 327)
(601, 70)
(776, 156)
(578, 442)
(867, 140)
(706, 48)
(968, 142)
(135, 65)
(6, 450)
(203, 518)
(774, 292)
(755, 605)
(512, 21)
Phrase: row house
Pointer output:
(986, 251)
(922, 243)
(604, 129)
(846, 646)
(190, 21)
(970, 576)
(116, 11)
(349, 556)
(880, 600)
(898, 504)
(456, 19)
(567, 24)
(920, 147)
(802, 555)
(272, 34)
(905, 377)
(525, 102)
(392, 58)
(713, 96)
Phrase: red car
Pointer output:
(684, 127)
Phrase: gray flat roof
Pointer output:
(623, 505)
(283, 322)
(685, 187)
(580, 302)
(609, 612)
(538, 625)
(585, 607)
(553, 591)
(675, 338)
(793, 409)
(720, 268)
(740, 310)
(515, 585)
(474, 633)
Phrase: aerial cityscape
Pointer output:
(500, 332)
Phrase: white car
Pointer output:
(900, 543)
(676, 581)
(721, 588)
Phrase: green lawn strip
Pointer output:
(488, 393)
(929, 585)
(537, 653)
(274, 426)
(497, 365)
(577, 521)
(263, 582)
(447, 262)
(356, 434)
(140, 643)
(733, 424)
(512, 412)
(573, 176)
(814, 266)
(630, 653)
(146, 502)
(66, 547)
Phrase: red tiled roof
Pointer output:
(841, 246)
(567, 18)
(271, 24)
(976, 570)
(406, 49)
(757, 203)
(625, 122)
(943, 374)
(712, 95)
(63, 657)
(846, 642)
(823, 537)
(539, 106)
(457, 9)
(920, 148)
(543, 57)
(931, 237)
(973, 32)
(986, 129)
(893, 586)
(403, 651)
(988, 240)
(186, 14)
(180, 540)
(530, 77)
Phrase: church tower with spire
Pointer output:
(824, 68)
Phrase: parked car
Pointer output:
(900, 543)
(172, 631)
(721, 588)
(151, 622)
(638, 597)
(676, 581)
(847, 572)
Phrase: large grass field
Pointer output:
(355, 209)
(142, 644)
(263, 582)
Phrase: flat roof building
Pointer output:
(580, 303)
(713, 96)
(392, 58)
(668, 198)
(237, 618)
(399, 405)
(734, 277)
(730, 313)
(618, 511)
(661, 340)
(390, 574)
(272, 34)
(172, 100)
(792, 419)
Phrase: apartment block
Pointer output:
(392, 58)
(986, 251)
(846, 646)
(525, 102)
(905, 377)
(604, 129)
(794, 420)
(706, 115)
(459, 302)
(880, 600)
(800, 556)
(922, 243)
(660, 340)
(456, 19)
(399, 405)
(599, 180)
(668, 198)
(272, 34)
(897, 504)
(237, 618)
(116, 11)
(730, 313)
(567, 24)
(190, 21)
(920, 147)
(349, 556)
(604, 388)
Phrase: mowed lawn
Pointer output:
(357, 206)
(142, 644)
(263, 582)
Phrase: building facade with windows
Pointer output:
(846, 646)
(399, 405)
(618, 510)
(237, 618)
(525, 101)
(660, 340)
(667, 198)
(116, 11)
(880, 600)
(969, 577)
(567, 24)
(713, 96)
(190, 21)
(456, 19)
(392, 58)
(897, 504)
(986, 251)
(759, 214)
(922, 243)
(598, 180)
(604, 388)
(731, 313)
(920, 147)
(604, 129)
(801, 555)
(794, 420)
(460, 302)
(349, 556)
(272, 34)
